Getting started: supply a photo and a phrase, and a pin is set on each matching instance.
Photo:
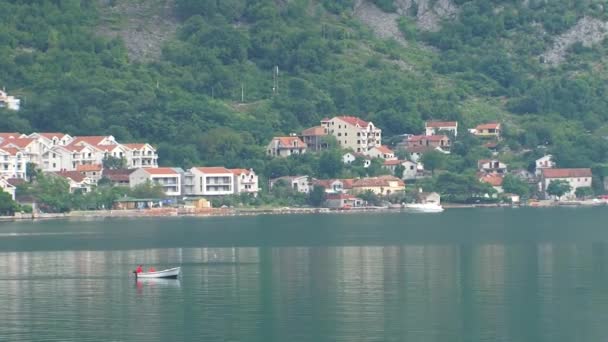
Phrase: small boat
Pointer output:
(424, 207)
(170, 273)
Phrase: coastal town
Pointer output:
(86, 162)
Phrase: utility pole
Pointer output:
(242, 93)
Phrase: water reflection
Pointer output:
(451, 292)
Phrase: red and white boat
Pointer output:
(171, 273)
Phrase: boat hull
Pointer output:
(171, 273)
(424, 208)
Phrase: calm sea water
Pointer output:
(463, 275)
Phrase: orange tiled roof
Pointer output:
(89, 167)
(438, 124)
(353, 120)
(213, 169)
(91, 140)
(10, 150)
(393, 162)
(287, 142)
(12, 135)
(135, 146)
(377, 181)
(315, 131)
(491, 125)
(240, 171)
(51, 135)
(383, 149)
(19, 142)
(73, 175)
(492, 179)
(161, 171)
(566, 173)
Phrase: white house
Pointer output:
(544, 162)
(52, 139)
(9, 102)
(298, 183)
(7, 187)
(285, 146)
(577, 178)
(76, 180)
(354, 133)
(350, 157)
(382, 152)
(435, 127)
(212, 181)
(245, 181)
(13, 163)
(332, 186)
(167, 177)
(491, 166)
(487, 130)
(92, 171)
(140, 155)
(410, 169)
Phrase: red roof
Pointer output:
(13, 135)
(383, 149)
(135, 146)
(492, 125)
(438, 124)
(492, 179)
(353, 120)
(240, 171)
(120, 175)
(315, 131)
(73, 175)
(213, 169)
(91, 140)
(10, 150)
(161, 171)
(19, 142)
(566, 173)
(50, 136)
(377, 181)
(89, 167)
(288, 142)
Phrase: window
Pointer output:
(358, 134)
(411, 167)
(358, 141)
(345, 134)
(339, 134)
(54, 165)
(54, 155)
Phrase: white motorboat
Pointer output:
(424, 207)
(170, 273)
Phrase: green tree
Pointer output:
(432, 160)
(399, 169)
(52, 193)
(316, 197)
(148, 190)
(7, 205)
(114, 163)
(330, 164)
(583, 192)
(31, 171)
(514, 185)
(558, 188)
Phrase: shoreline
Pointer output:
(184, 212)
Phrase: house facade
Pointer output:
(488, 130)
(435, 127)
(297, 183)
(13, 163)
(167, 177)
(383, 185)
(442, 141)
(410, 168)
(76, 180)
(9, 102)
(495, 180)
(577, 178)
(315, 138)
(140, 155)
(245, 181)
(353, 133)
(350, 157)
(343, 201)
(211, 181)
(491, 166)
(381, 152)
(285, 146)
(544, 162)
(93, 171)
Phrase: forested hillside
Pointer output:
(209, 95)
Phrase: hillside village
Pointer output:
(87, 162)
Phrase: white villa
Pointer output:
(210, 181)
(435, 127)
(245, 181)
(13, 163)
(54, 152)
(7, 187)
(285, 146)
(544, 162)
(354, 133)
(9, 102)
(382, 152)
(577, 178)
(298, 183)
(169, 178)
